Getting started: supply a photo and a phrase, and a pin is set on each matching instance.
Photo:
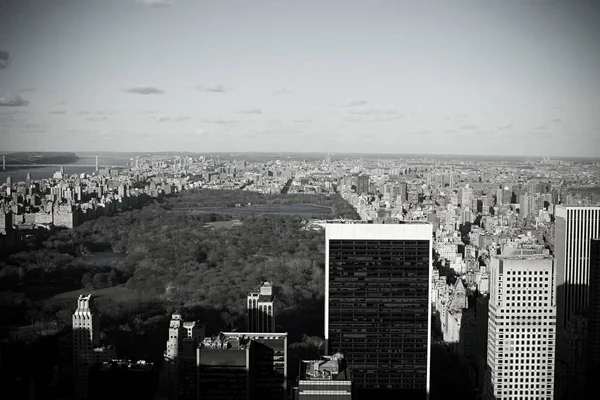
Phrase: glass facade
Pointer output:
(378, 311)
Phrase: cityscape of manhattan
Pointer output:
(299, 199)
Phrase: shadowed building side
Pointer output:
(574, 229)
(593, 326)
(261, 313)
(377, 306)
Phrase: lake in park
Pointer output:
(291, 209)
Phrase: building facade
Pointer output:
(575, 226)
(377, 308)
(325, 379)
(86, 345)
(521, 328)
(593, 323)
(261, 313)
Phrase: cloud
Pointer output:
(419, 133)
(163, 3)
(557, 119)
(374, 112)
(281, 92)
(161, 118)
(252, 111)
(303, 120)
(356, 103)
(96, 118)
(504, 127)
(143, 90)
(221, 121)
(372, 118)
(468, 127)
(27, 89)
(57, 112)
(540, 128)
(13, 101)
(212, 89)
(4, 61)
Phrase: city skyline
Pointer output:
(301, 76)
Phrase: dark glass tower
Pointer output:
(377, 306)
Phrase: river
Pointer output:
(20, 174)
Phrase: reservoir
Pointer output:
(290, 209)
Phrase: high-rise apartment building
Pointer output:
(465, 195)
(261, 314)
(362, 184)
(377, 308)
(179, 373)
(86, 344)
(575, 226)
(521, 327)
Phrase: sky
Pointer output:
(370, 76)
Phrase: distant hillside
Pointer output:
(27, 158)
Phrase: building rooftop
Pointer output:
(120, 365)
(525, 255)
(329, 368)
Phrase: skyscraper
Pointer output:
(86, 344)
(521, 328)
(179, 373)
(261, 314)
(362, 185)
(377, 305)
(575, 227)
(593, 325)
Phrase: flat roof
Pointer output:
(408, 231)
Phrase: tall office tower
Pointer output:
(362, 185)
(237, 365)
(96, 164)
(271, 375)
(261, 314)
(524, 206)
(521, 328)
(575, 227)
(377, 305)
(593, 324)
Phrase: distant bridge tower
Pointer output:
(96, 163)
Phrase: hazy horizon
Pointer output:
(469, 78)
